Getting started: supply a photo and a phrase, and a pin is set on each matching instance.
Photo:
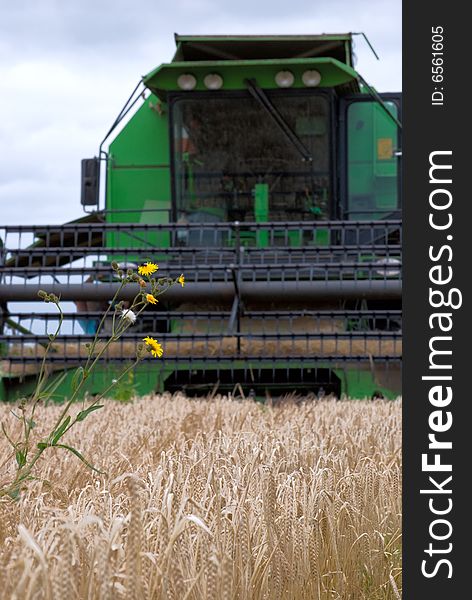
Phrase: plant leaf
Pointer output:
(75, 379)
(84, 413)
(52, 387)
(20, 458)
(42, 445)
(79, 456)
(56, 436)
(14, 493)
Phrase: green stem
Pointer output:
(21, 475)
(102, 395)
(89, 367)
(25, 471)
(36, 394)
(100, 325)
(39, 384)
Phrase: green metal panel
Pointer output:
(145, 381)
(361, 384)
(139, 174)
(321, 237)
(333, 73)
(372, 164)
(136, 144)
(261, 211)
(150, 376)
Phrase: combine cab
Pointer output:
(267, 171)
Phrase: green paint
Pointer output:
(372, 164)
(138, 177)
(145, 381)
(261, 211)
(295, 238)
(149, 377)
(321, 236)
(234, 72)
(359, 384)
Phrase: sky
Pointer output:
(67, 68)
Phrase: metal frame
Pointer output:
(329, 93)
(237, 276)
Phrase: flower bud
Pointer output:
(140, 351)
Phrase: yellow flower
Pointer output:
(181, 280)
(156, 348)
(150, 298)
(147, 269)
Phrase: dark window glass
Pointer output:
(232, 162)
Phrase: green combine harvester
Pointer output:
(266, 170)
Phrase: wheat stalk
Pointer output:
(213, 499)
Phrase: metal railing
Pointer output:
(250, 297)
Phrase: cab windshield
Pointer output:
(232, 162)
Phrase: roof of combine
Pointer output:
(253, 47)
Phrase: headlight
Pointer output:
(311, 78)
(284, 79)
(187, 81)
(213, 81)
(388, 262)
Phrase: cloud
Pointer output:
(66, 69)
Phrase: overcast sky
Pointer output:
(67, 67)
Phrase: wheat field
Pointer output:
(211, 499)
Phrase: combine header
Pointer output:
(267, 171)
